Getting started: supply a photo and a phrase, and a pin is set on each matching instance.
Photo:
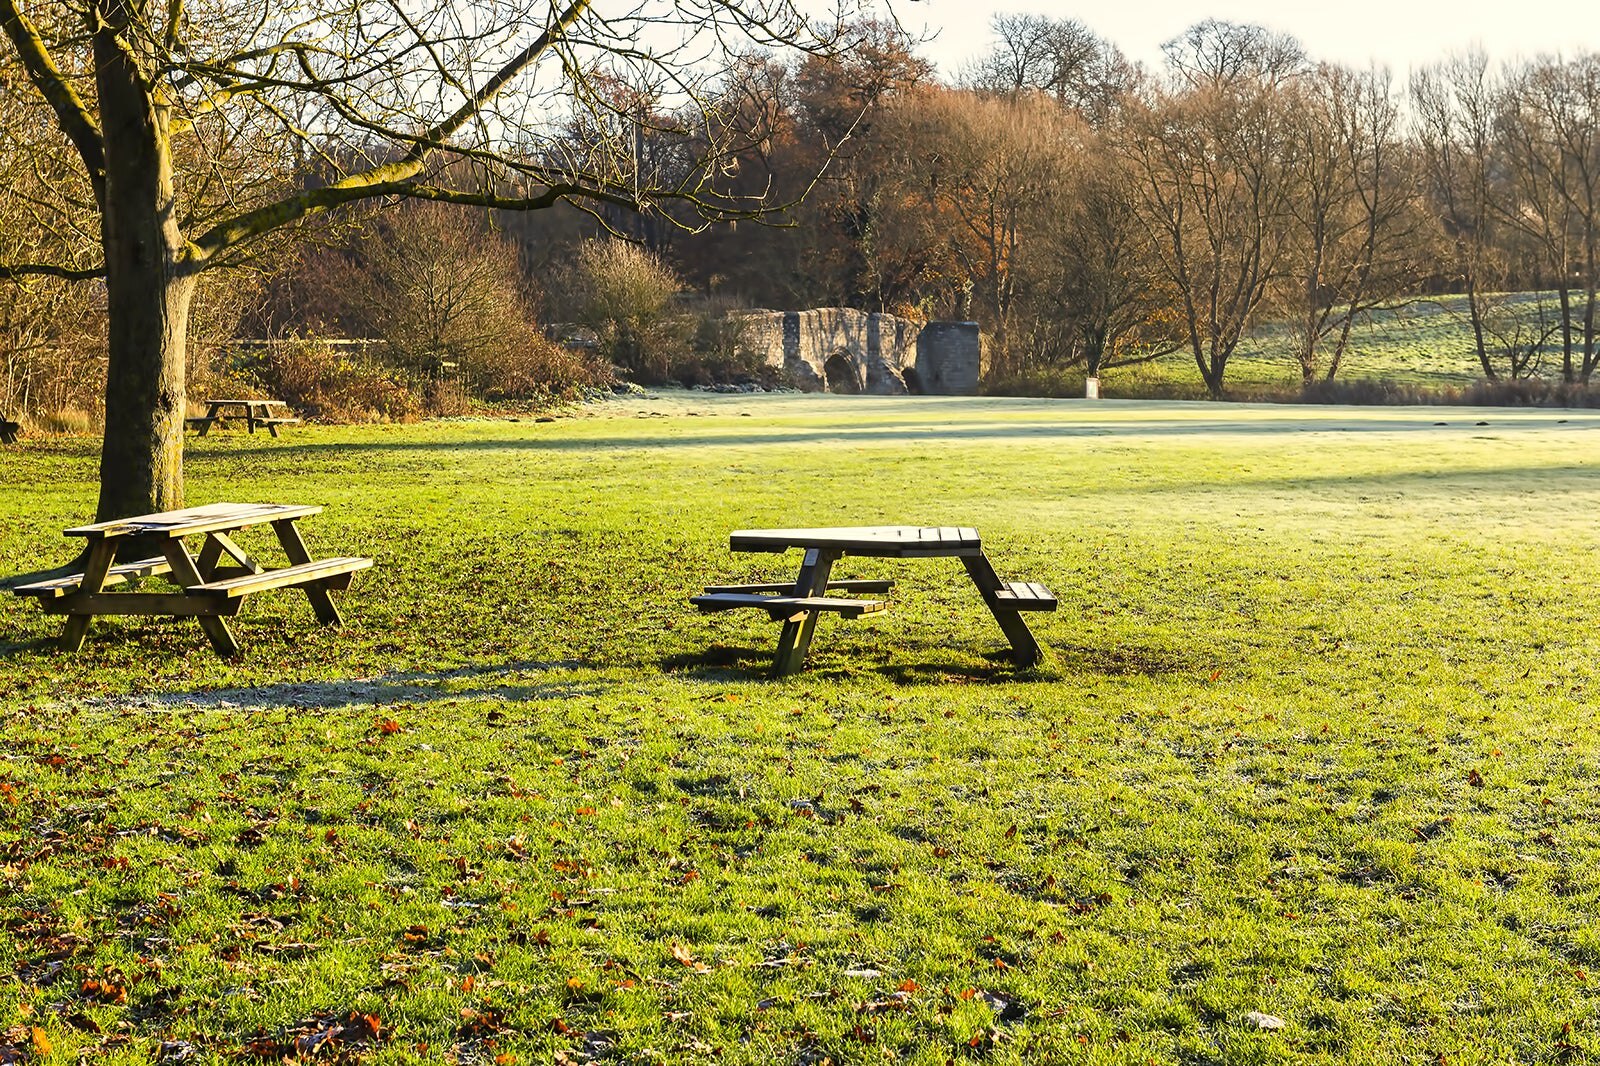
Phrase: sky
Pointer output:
(1400, 33)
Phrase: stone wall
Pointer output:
(837, 349)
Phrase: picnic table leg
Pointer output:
(795, 640)
(295, 548)
(216, 546)
(266, 420)
(210, 555)
(185, 573)
(1024, 649)
(210, 420)
(101, 554)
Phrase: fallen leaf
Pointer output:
(1264, 1021)
(685, 956)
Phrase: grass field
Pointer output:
(1426, 343)
(1316, 741)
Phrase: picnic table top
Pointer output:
(210, 518)
(263, 402)
(862, 540)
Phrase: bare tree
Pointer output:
(188, 119)
(1549, 136)
(1061, 58)
(1214, 54)
(1354, 213)
(1213, 151)
(1453, 107)
(1092, 270)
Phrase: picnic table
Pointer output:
(799, 603)
(208, 590)
(9, 430)
(254, 412)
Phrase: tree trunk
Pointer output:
(148, 288)
(1568, 372)
(1475, 312)
(1589, 360)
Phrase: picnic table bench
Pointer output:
(254, 412)
(798, 604)
(9, 430)
(208, 590)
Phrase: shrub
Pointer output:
(534, 369)
(325, 382)
(442, 300)
(625, 294)
(719, 350)
(1524, 392)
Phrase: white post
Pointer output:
(1091, 388)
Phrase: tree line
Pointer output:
(1091, 213)
(1087, 211)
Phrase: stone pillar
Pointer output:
(949, 359)
(791, 337)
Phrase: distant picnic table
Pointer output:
(799, 603)
(253, 412)
(207, 591)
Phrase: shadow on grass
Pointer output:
(697, 434)
(721, 663)
(502, 681)
(931, 664)
(731, 664)
(10, 649)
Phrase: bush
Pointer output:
(1524, 392)
(720, 352)
(442, 301)
(625, 294)
(534, 369)
(52, 353)
(320, 380)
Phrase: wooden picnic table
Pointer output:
(207, 590)
(254, 412)
(799, 603)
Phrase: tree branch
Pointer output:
(388, 179)
(51, 270)
(71, 112)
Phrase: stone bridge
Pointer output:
(838, 349)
